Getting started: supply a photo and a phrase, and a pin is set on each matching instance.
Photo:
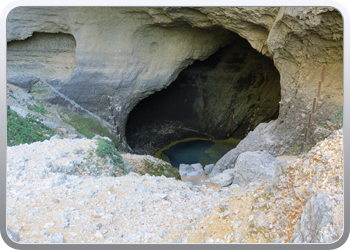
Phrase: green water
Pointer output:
(194, 150)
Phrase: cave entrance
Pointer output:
(225, 96)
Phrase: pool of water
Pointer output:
(194, 150)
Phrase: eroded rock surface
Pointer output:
(255, 166)
(130, 53)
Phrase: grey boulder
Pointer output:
(222, 179)
(208, 168)
(184, 169)
(255, 166)
(194, 174)
(197, 166)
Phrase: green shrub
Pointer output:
(39, 109)
(338, 115)
(159, 169)
(25, 130)
(105, 149)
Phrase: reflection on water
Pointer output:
(194, 150)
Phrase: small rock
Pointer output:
(57, 238)
(189, 184)
(222, 179)
(163, 196)
(185, 168)
(236, 225)
(59, 180)
(224, 214)
(98, 234)
(90, 193)
(208, 240)
(208, 168)
(224, 205)
(64, 154)
(49, 224)
(65, 225)
(298, 193)
(165, 234)
(225, 193)
(194, 174)
(197, 166)
(99, 212)
(236, 211)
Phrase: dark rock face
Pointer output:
(131, 53)
(226, 95)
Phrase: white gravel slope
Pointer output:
(44, 202)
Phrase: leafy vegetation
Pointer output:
(106, 149)
(338, 115)
(25, 130)
(303, 154)
(159, 169)
(39, 109)
(90, 127)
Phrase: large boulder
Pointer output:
(255, 166)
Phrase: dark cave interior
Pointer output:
(226, 95)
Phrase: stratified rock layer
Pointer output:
(130, 53)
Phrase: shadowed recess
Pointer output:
(226, 95)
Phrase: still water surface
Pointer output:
(194, 150)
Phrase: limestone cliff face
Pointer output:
(130, 53)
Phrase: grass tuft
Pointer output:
(39, 109)
(106, 149)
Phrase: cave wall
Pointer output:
(130, 53)
(45, 56)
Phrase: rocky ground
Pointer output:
(60, 191)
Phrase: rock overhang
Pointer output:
(300, 41)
